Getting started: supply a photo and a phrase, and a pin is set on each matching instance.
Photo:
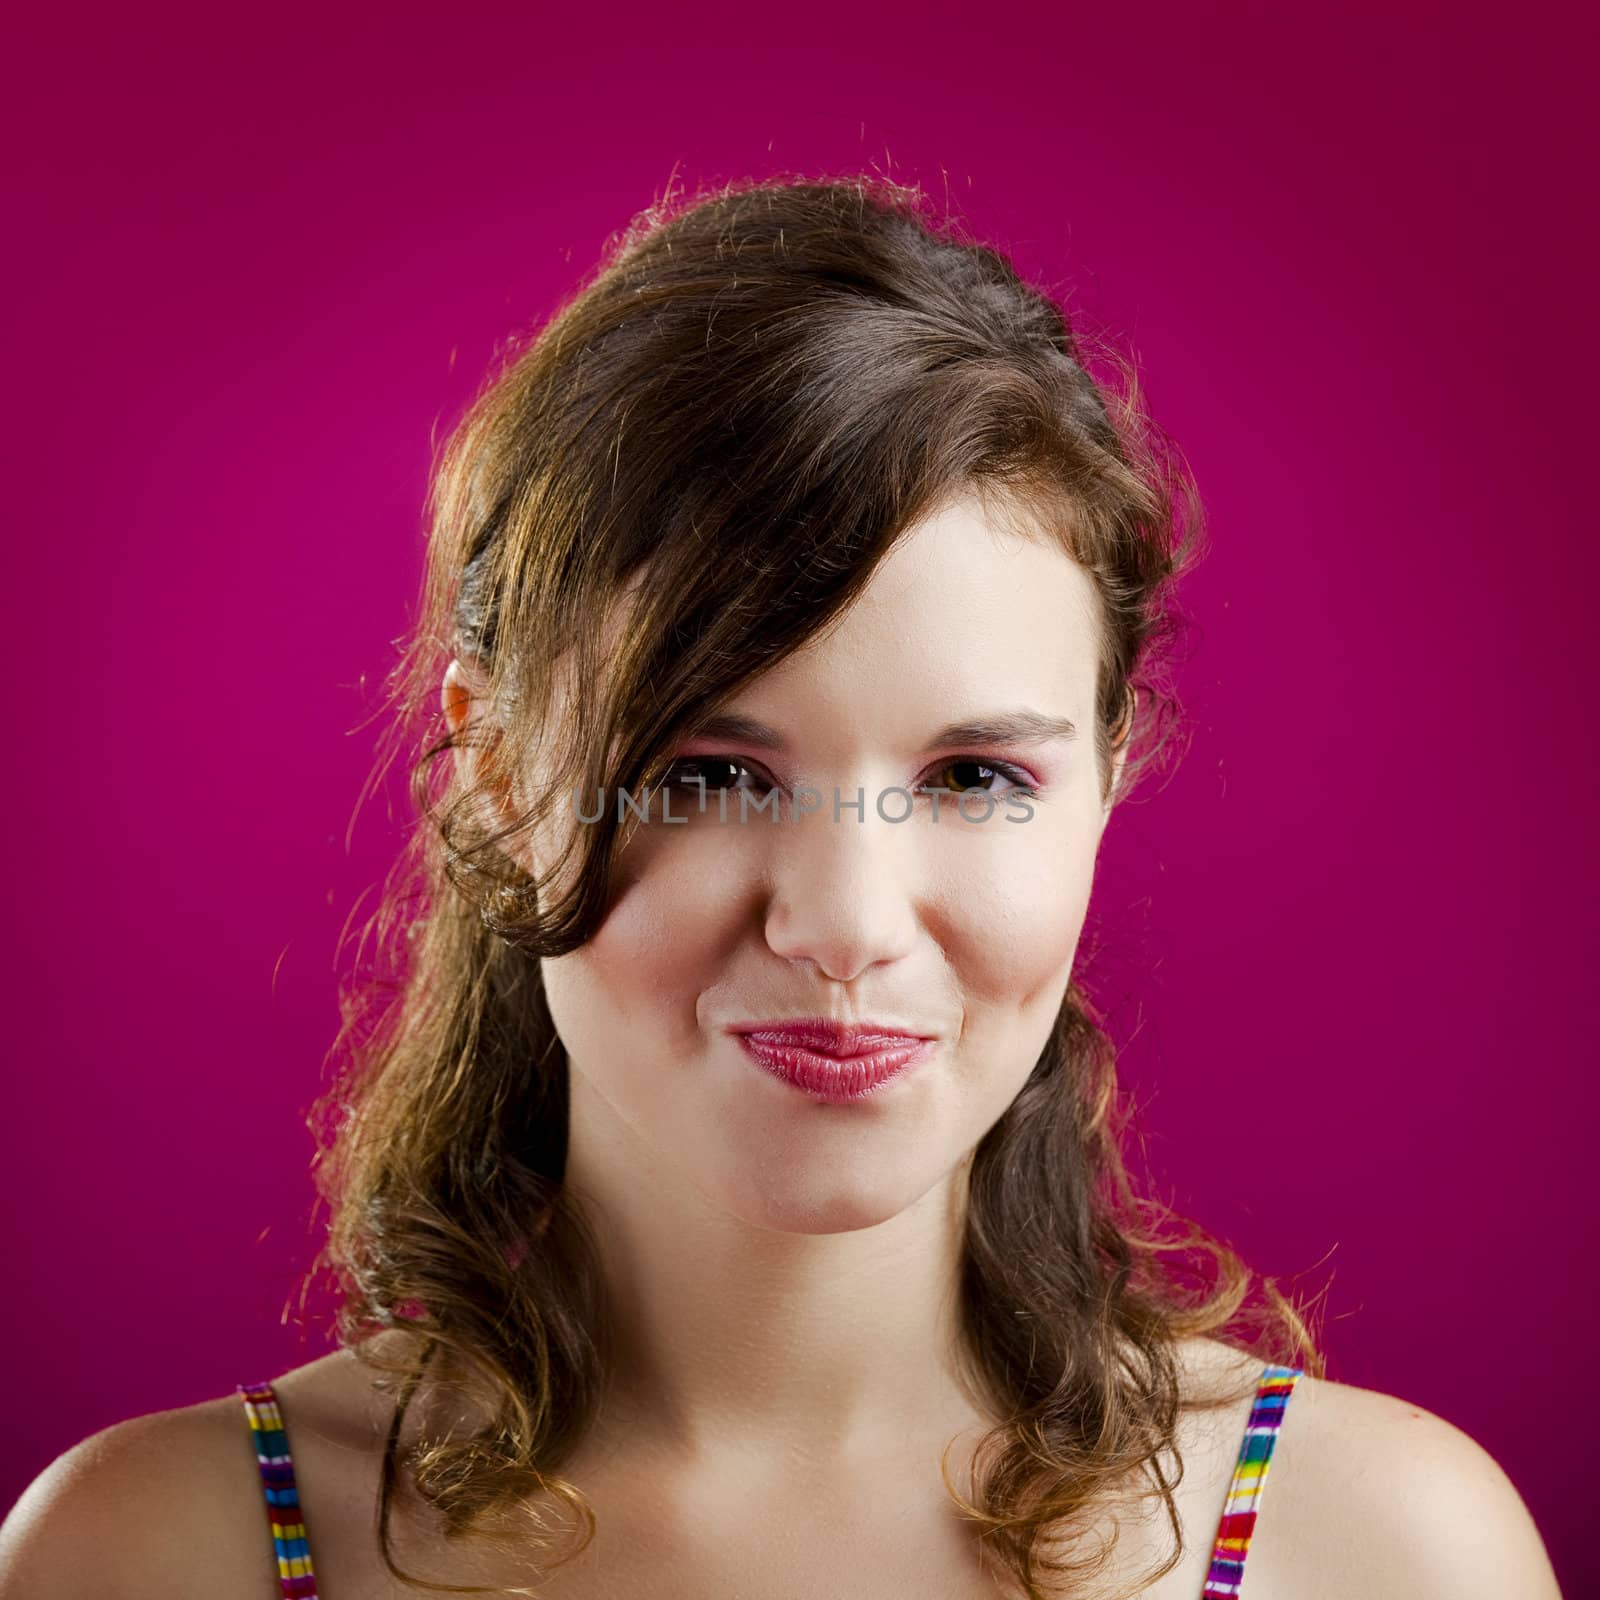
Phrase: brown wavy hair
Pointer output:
(755, 393)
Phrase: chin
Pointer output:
(811, 1207)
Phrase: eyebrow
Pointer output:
(995, 727)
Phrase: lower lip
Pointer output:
(840, 1080)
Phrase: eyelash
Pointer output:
(1019, 780)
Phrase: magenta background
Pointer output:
(258, 261)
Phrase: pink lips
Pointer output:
(829, 1061)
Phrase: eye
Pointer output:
(963, 766)
(954, 776)
(691, 771)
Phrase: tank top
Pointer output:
(1232, 1544)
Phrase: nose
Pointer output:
(841, 892)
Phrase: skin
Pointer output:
(781, 1268)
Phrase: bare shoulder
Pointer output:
(165, 1505)
(1371, 1494)
(169, 1506)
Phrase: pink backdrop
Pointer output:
(258, 261)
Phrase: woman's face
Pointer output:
(958, 927)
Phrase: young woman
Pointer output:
(726, 1195)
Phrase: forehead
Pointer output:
(973, 609)
(964, 606)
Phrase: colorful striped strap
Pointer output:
(1249, 1478)
(1239, 1512)
(283, 1499)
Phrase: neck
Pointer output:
(728, 1336)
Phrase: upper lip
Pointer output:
(832, 1038)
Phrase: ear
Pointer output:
(467, 701)
(462, 694)
(1122, 737)
(464, 698)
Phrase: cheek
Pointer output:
(1014, 921)
(629, 992)
(1006, 914)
